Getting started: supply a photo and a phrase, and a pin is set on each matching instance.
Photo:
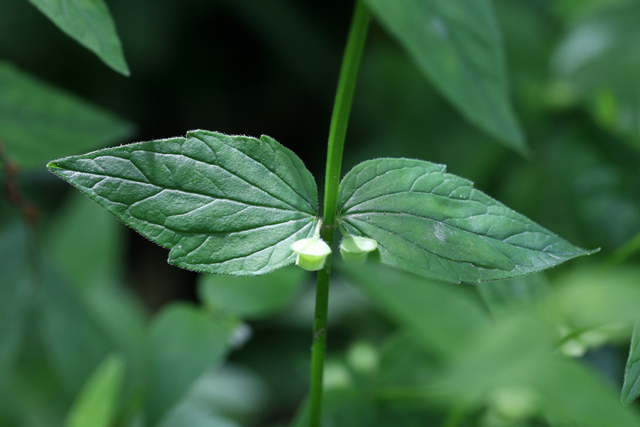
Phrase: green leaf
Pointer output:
(441, 317)
(631, 385)
(86, 262)
(511, 294)
(590, 297)
(39, 122)
(90, 24)
(458, 46)
(518, 352)
(73, 340)
(184, 343)
(598, 55)
(435, 224)
(251, 297)
(16, 292)
(222, 204)
(97, 404)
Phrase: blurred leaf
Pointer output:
(184, 343)
(504, 295)
(16, 291)
(94, 267)
(348, 407)
(590, 297)
(251, 297)
(90, 24)
(222, 204)
(39, 122)
(517, 352)
(86, 242)
(97, 403)
(188, 414)
(458, 46)
(217, 396)
(602, 50)
(631, 385)
(442, 317)
(405, 364)
(600, 55)
(120, 315)
(74, 341)
(576, 396)
(465, 235)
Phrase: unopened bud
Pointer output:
(354, 249)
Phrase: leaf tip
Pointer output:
(54, 165)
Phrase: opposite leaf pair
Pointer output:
(235, 205)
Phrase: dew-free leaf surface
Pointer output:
(222, 204)
(90, 24)
(631, 385)
(251, 297)
(184, 342)
(39, 122)
(97, 403)
(458, 46)
(436, 225)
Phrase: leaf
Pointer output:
(631, 385)
(74, 341)
(458, 46)
(251, 297)
(97, 404)
(16, 291)
(222, 204)
(184, 342)
(512, 294)
(436, 225)
(90, 24)
(518, 352)
(441, 317)
(591, 297)
(598, 55)
(39, 122)
(86, 262)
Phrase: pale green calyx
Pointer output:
(311, 252)
(354, 249)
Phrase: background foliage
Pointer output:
(89, 322)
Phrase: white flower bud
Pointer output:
(354, 249)
(312, 253)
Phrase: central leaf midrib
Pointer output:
(453, 226)
(163, 188)
(241, 178)
(263, 166)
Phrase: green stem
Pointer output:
(337, 132)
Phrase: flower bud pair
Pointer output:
(312, 252)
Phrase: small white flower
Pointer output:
(354, 249)
(312, 253)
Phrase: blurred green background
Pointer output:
(77, 286)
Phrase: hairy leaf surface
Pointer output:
(90, 24)
(435, 224)
(222, 204)
(457, 45)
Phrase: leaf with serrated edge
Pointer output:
(436, 225)
(222, 204)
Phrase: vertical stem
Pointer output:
(337, 132)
